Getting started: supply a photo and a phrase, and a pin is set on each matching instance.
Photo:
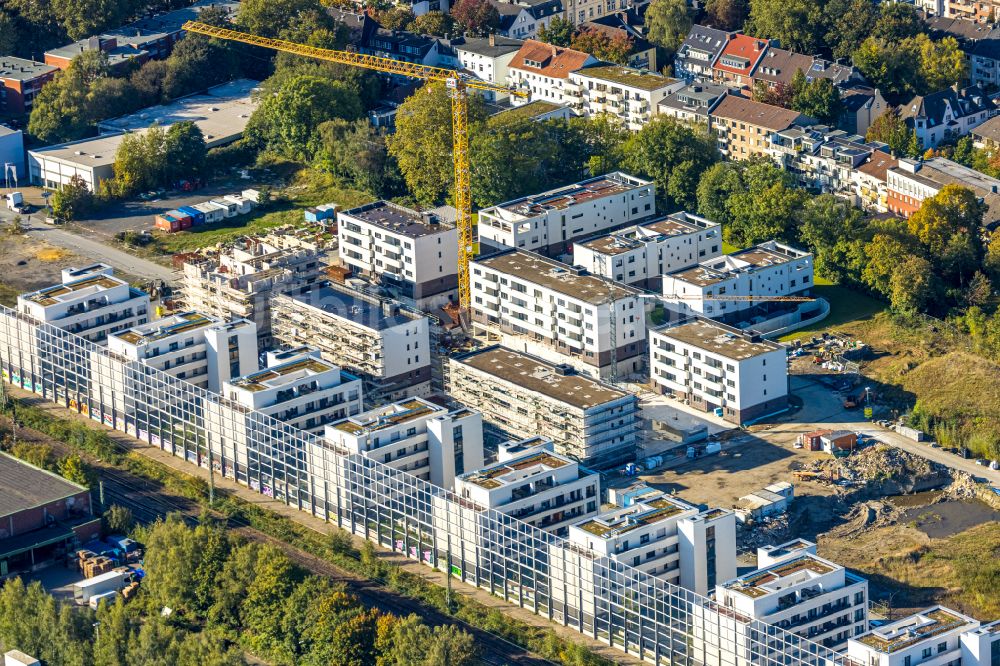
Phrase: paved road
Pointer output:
(97, 250)
(823, 408)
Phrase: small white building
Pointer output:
(800, 592)
(628, 94)
(717, 368)
(937, 636)
(753, 275)
(643, 253)
(541, 306)
(549, 222)
(385, 343)
(413, 254)
(299, 388)
(487, 59)
(772, 500)
(91, 302)
(202, 350)
(664, 536)
(414, 436)
(535, 485)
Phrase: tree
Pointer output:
(912, 284)
(955, 210)
(719, 182)
(83, 18)
(422, 142)
(891, 129)
(356, 152)
(287, 121)
(74, 469)
(73, 200)
(197, 63)
(416, 644)
(897, 21)
(39, 455)
(396, 18)
(728, 14)
(269, 18)
(183, 152)
(767, 207)
(817, 98)
(558, 32)
(835, 232)
(780, 95)
(117, 520)
(674, 155)
(61, 108)
(883, 254)
(476, 16)
(668, 22)
(942, 63)
(437, 24)
(849, 22)
(603, 46)
(796, 24)
(10, 37)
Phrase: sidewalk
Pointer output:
(412, 566)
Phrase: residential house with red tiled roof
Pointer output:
(870, 181)
(543, 71)
(740, 56)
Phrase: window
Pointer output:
(942, 646)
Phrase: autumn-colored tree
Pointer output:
(476, 16)
(600, 44)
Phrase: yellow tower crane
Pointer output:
(457, 83)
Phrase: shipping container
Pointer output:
(167, 222)
(243, 205)
(197, 217)
(229, 207)
(213, 213)
(111, 581)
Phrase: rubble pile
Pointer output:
(884, 463)
(865, 516)
(773, 530)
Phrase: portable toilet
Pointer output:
(197, 217)
(229, 207)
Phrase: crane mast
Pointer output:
(458, 86)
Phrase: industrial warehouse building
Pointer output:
(221, 113)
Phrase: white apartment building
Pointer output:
(535, 485)
(641, 254)
(720, 369)
(538, 305)
(543, 71)
(487, 58)
(797, 591)
(523, 396)
(414, 436)
(90, 302)
(549, 222)
(240, 281)
(299, 388)
(658, 534)
(937, 636)
(386, 344)
(413, 254)
(765, 270)
(200, 349)
(628, 94)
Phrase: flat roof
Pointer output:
(399, 219)
(61, 292)
(780, 576)
(96, 152)
(355, 308)
(625, 519)
(558, 277)
(627, 76)
(656, 228)
(914, 629)
(532, 109)
(387, 416)
(282, 374)
(19, 69)
(494, 476)
(729, 342)
(563, 197)
(166, 327)
(541, 377)
(26, 486)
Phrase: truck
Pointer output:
(108, 597)
(15, 202)
(111, 581)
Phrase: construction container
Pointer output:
(229, 208)
(243, 205)
(186, 222)
(197, 217)
(167, 222)
(213, 213)
(321, 213)
(911, 433)
(110, 581)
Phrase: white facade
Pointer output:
(539, 305)
(539, 487)
(765, 270)
(197, 348)
(524, 396)
(415, 436)
(641, 254)
(937, 636)
(549, 222)
(413, 254)
(299, 388)
(487, 58)
(90, 302)
(384, 343)
(659, 534)
(628, 94)
(717, 367)
(800, 592)
(543, 71)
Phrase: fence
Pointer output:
(635, 612)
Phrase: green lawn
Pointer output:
(846, 305)
(729, 249)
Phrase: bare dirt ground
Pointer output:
(27, 264)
